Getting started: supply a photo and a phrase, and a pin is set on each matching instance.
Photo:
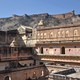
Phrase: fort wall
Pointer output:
(65, 15)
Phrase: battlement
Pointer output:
(65, 15)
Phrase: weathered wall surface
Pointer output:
(66, 15)
(25, 73)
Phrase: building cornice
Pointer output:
(58, 27)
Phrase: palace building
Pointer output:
(32, 53)
(61, 42)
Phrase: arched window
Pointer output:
(63, 34)
(75, 32)
(63, 50)
(67, 33)
(45, 35)
(41, 50)
(42, 73)
(38, 34)
(59, 35)
(41, 35)
(51, 34)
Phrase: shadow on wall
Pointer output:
(41, 78)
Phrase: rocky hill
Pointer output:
(33, 20)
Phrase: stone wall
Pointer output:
(66, 15)
(25, 73)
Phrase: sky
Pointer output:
(21, 7)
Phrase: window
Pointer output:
(51, 34)
(41, 35)
(41, 50)
(63, 50)
(63, 34)
(67, 33)
(42, 73)
(59, 34)
(38, 34)
(45, 35)
(54, 49)
(75, 32)
(46, 49)
(69, 50)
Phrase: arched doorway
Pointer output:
(7, 78)
(63, 50)
(42, 73)
(41, 50)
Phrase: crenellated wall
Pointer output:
(65, 15)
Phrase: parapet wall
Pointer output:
(24, 74)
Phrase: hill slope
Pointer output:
(33, 20)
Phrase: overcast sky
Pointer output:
(21, 7)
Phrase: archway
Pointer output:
(42, 73)
(41, 50)
(7, 78)
(63, 50)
